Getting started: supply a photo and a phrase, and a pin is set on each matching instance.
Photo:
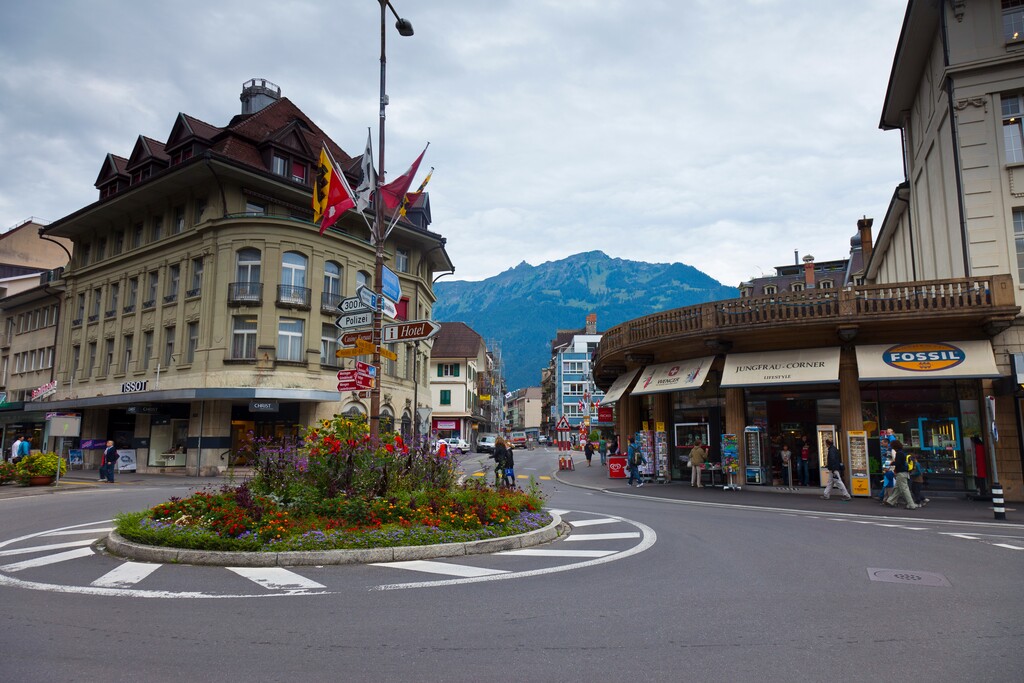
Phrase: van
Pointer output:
(485, 444)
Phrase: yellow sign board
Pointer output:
(350, 353)
(365, 346)
(390, 355)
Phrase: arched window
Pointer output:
(354, 410)
(247, 265)
(332, 278)
(365, 279)
(293, 269)
(770, 289)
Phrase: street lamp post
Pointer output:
(404, 29)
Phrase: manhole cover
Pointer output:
(908, 576)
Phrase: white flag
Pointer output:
(364, 192)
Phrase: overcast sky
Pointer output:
(723, 134)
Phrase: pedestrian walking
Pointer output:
(698, 456)
(602, 448)
(635, 458)
(588, 451)
(834, 464)
(901, 489)
(503, 467)
(110, 458)
(980, 467)
(916, 480)
(16, 448)
(888, 478)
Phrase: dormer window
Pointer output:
(770, 289)
(798, 286)
(825, 284)
(288, 168)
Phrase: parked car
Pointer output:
(457, 444)
(485, 444)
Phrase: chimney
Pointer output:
(257, 94)
(864, 225)
(796, 257)
(809, 272)
(592, 323)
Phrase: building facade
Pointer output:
(459, 367)
(524, 410)
(576, 396)
(199, 308)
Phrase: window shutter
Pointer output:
(456, 369)
(440, 370)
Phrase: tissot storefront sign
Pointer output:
(132, 387)
(927, 360)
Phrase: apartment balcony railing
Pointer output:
(329, 302)
(293, 297)
(245, 293)
(988, 299)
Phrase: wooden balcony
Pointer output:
(936, 310)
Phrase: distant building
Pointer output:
(524, 411)
(575, 395)
(460, 367)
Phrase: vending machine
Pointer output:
(758, 466)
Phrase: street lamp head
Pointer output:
(404, 27)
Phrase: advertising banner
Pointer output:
(928, 360)
(802, 366)
(681, 375)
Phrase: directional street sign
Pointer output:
(355, 382)
(390, 355)
(349, 353)
(390, 286)
(415, 330)
(366, 368)
(349, 338)
(352, 320)
(365, 346)
(369, 300)
(352, 305)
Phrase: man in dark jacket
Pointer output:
(110, 458)
(834, 464)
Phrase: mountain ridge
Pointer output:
(558, 295)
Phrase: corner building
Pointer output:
(200, 304)
(921, 334)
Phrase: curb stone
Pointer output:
(118, 546)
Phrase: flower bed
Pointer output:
(338, 489)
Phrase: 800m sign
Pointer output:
(132, 387)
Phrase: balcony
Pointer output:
(128, 309)
(193, 293)
(107, 315)
(95, 317)
(245, 293)
(148, 304)
(951, 309)
(289, 296)
(171, 298)
(329, 302)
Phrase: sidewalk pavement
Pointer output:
(941, 506)
(78, 480)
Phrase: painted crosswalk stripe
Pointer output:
(125, 575)
(592, 522)
(79, 532)
(442, 568)
(603, 537)
(546, 552)
(49, 559)
(556, 511)
(45, 548)
(276, 578)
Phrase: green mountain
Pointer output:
(523, 307)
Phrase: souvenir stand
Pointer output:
(645, 442)
(661, 453)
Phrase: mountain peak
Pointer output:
(523, 307)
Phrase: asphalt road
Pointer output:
(644, 587)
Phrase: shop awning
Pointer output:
(927, 360)
(799, 366)
(618, 387)
(678, 376)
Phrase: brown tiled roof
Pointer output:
(563, 337)
(456, 340)
(156, 148)
(202, 129)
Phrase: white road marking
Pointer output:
(442, 568)
(79, 532)
(125, 575)
(276, 578)
(543, 552)
(44, 548)
(1007, 545)
(592, 522)
(969, 537)
(558, 512)
(603, 537)
(49, 559)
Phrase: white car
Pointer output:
(457, 444)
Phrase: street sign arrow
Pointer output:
(391, 287)
(366, 368)
(415, 330)
(352, 305)
(372, 301)
(349, 338)
(352, 320)
(357, 383)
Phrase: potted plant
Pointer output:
(39, 469)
